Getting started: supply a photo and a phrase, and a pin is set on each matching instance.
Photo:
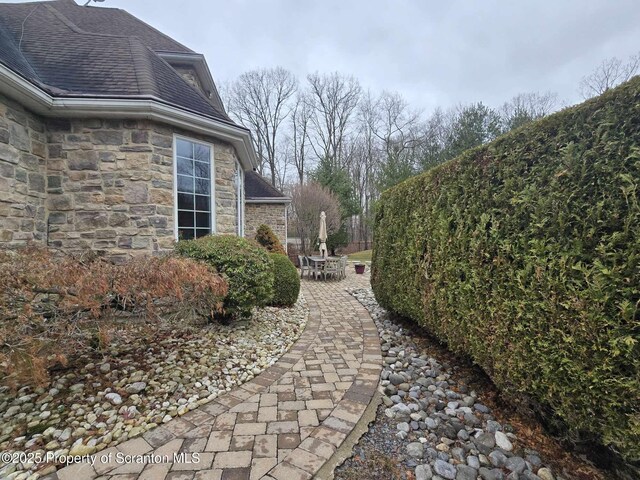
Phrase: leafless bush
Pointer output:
(51, 306)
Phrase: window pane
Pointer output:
(202, 232)
(202, 170)
(203, 220)
(185, 201)
(202, 185)
(185, 184)
(202, 152)
(184, 148)
(202, 203)
(185, 166)
(185, 219)
(185, 233)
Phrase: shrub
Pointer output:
(51, 307)
(269, 240)
(245, 266)
(286, 286)
(524, 254)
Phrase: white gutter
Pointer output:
(283, 200)
(151, 108)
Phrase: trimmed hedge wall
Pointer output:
(525, 255)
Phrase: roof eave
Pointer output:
(39, 101)
(267, 200)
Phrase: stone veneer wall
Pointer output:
(22, 175)
(190, 76)
(272, 214)
(109, 183)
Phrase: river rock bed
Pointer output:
(432, 425)
(138, 383)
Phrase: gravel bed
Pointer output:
(141, 382)
(433, 426)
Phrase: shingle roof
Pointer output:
(70, 50)
(113, 21)
(255, 186)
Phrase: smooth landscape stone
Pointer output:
(403, 427)
(493, 474)
(493, 426)
(503, 442)
(465, 472)
(497, 458)
(445, 469)
(423, 472)
(545, 474)
(114, 398)
(485, 442)
(515, 464)
(415, 449)
(473, 462)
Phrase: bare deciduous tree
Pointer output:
(307, 201)
(608, 74)
(300, 118)
(333, 99)
(526, 107)
(261, 100)
(401, 133)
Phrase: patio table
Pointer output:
(317, 262)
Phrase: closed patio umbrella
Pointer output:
(322, 235)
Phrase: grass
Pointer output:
(363, 256)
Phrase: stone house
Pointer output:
(113, 137)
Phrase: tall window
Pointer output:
(194, 188)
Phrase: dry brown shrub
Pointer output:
(55, 305)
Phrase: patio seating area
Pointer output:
(324, 268)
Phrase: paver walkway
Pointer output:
(284, 424)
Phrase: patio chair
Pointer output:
(315, 268)
(343, 266)
(304, 265)
(332, 268)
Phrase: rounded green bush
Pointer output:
(246, 267)
(286, 281)
(524, 254)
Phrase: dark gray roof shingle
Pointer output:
(113, 21)
(48, 44)
(255, 186)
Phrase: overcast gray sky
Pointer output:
(435, 53)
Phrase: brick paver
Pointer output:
(285, 423)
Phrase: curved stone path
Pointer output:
(285, 424)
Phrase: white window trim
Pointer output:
(240, 186)
(212, 170)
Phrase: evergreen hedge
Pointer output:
(286, 282)
(525, 255)
(245, 266)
